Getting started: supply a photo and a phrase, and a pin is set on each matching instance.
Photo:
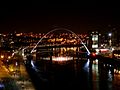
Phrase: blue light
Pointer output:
(86, 67)
(2, 86)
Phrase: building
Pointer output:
(94, 39)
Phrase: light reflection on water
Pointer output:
(101, 76)
(86, 66)
(60, 58)
(95, 75)
(1, 86)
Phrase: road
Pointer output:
(3, 71)
(26, 83)
(22, 81)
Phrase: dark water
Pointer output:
(75, 74)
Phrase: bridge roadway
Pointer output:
(57, 45)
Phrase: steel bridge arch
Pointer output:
(56, 29)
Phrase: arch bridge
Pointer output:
(61, 42)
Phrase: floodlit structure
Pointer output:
(57, 29)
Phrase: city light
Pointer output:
(64, 45)
(110, 41)
(61, 58)
(9, 57)
(2, 56)
(109, 34)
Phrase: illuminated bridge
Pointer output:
(63, 42)
(75, 73)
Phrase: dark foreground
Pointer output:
(75, 74)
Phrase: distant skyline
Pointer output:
(78, 17)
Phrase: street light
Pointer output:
(110, 41)
(2, 56)
(109, 34)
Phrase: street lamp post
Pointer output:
(110, 41)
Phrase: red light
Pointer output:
(93, 54)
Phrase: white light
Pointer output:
(104, 65)
(95, 46)
(97, 50)
(86, 67)
(96, 61)
(7, 60)
(114, 70)
(110, 34)
(101, 45)
(13, 54)
(32, 63)
(16, 63)
(113, 49)
(62, 58)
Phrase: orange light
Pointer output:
(2, 56)
(9, 57)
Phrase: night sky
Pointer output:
(44, 16)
